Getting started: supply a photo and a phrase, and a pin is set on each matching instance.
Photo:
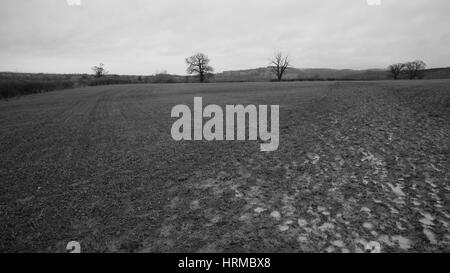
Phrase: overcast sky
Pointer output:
(146, 36)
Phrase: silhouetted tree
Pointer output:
(396, 69)
(199, 64)
(99, 71)
(414, 68)
(279, 64)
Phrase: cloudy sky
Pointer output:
(147, 36)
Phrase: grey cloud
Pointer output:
(141, 36)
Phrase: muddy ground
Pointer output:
(357, 162)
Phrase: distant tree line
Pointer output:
(11, 87)
(198, 65)
(412, 69)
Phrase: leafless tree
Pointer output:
(396, 69)
(279, 65)
(199, 64)
(99, 71)
(414, 68)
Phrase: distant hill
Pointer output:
(305, 74)
(437, 73)
(257, 75)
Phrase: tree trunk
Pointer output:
(280, 76)
(202, 77)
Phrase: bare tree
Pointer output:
(414, 68)
(199, 64)
(99, 71)
(396, 69)
(279, 65)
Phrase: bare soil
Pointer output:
(357, 162)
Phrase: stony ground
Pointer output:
(357, 162)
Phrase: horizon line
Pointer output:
(235, 70)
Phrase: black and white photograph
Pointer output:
(225, 127)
